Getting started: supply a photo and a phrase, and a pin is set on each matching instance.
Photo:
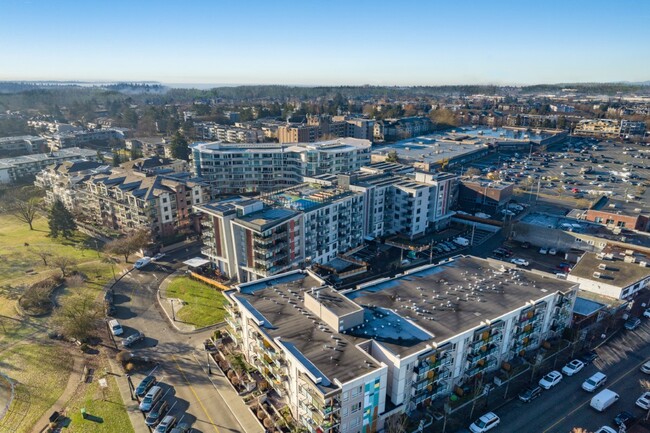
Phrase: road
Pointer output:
(182, 359)
(566, 406)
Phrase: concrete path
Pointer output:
(169, 308)
(74, 380)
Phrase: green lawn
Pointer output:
(204, 304)
(41, 372)
(110, 411)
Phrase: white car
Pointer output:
(485, 423)
(520, 262)
(573, 367)
(644, 401)
(646, 313)
(645, 368)
(552, 251)
(543, 251)
(550, 380)
(606, 429)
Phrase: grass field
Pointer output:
(41, 372)
(107, 411)
(204, 305)
(26, 355)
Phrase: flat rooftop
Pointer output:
(69, 152)
(617, 272)
(632, 207)
(305, 196)
(430, 150)
(264, 219)
(441, 301)
(279, 303)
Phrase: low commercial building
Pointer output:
(260, 167)
(620, 214)
(22, 145)
(484, 195)
(598, 127)
(341, 360)
(13, 170)
(616, 275)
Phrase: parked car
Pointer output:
(646, 313)
(530, 394)
(552, 251)
(645, 368)
(525, 244)
(144, 385)
(157, 413)
(606, 429)
(158, 256)
(624, 418)
(573, 367)
(181, 428)
(151, 398)
(519, 262)
(595, 381)
(166, 424)
(644, 401)
(485, 423)
(132, 339)
(543, 250)
(632, 323)
(550, 380)
(589, 357)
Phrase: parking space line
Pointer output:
(195, 395)
(633, 369)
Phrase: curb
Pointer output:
(169, 319)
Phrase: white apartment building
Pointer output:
(15, 169)
(339, 358)
(258, 167)
(21, 145)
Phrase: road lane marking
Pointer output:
(195, 396)
(636, 368)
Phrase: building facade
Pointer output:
(338, 359)
(13, 170)
(22, 145)
(260, 167)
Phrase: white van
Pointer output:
(595, 381)
(604, 399)
(141, 263)
(115, 327)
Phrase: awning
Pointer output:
(196, 262)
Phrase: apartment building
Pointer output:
(249, 239)
(64, 182)
(228, 134)
(258, 167)
(22, 145)
(16, 169)
(127, 200)
(598, 127)
(157, 165)
(314, 222)
(150, 146)
(340, 360)
(398, 129)
(63, 140)
(632, 128)
(319, 126)
(619, 276)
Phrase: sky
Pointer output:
(326, 42)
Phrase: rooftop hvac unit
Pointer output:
(612, 205)
(643, 264)
(609, 256)
(600, 256)
(637, 210)
(602, 266)
(629, 252)
(596, 274)
(629, 259)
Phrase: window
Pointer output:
(346, 395)
(165, 209)
(356, 407)
(354, 422)
(356, 391)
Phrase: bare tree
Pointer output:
(129, 244)
(63, 263)
(396, 423)
(22, 206)
(472, 171)
(43, 254)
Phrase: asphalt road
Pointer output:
(183, 362)
(566, 406)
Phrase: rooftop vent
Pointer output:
(643, 264)
(602, 266)
(612, 205)
(629, 259)
(597, 274)
(637, 210)
(600, 256)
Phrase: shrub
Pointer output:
(123, 356)
(129, 367)
(268, 423)
(231, 374)
(261, 414)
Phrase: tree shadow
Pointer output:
(94, 418)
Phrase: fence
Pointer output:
(209, 281)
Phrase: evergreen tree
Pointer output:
(179, 147)
(116, 159)
(60, 221)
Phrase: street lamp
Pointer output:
(209, 368)
(173, 313)
(130, 382)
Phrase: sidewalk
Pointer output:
(132, 409)
(166, 304)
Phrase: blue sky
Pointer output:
(326, 41)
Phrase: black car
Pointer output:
(624, 418)
(530, 394)
(157, 413)
(132, 339)
(181, 428)
(589, 357)
(144, 385)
